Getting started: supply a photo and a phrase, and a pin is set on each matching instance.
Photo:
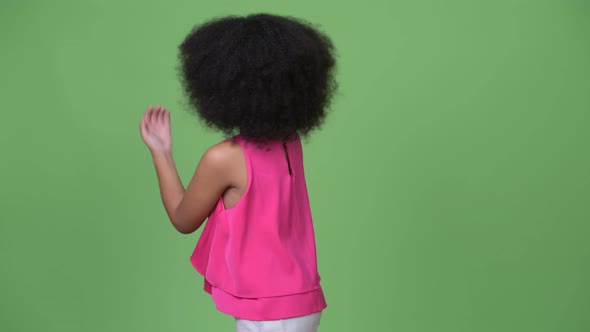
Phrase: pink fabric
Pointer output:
(259, 257)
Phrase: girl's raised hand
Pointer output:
(155, 129)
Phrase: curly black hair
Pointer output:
(264, 76)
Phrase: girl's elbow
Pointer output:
(184, 227)
(185, 230)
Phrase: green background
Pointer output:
(450, 185)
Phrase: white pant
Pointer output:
(308, 323)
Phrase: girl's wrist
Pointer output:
(167, 154)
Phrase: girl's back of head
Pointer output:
(266, 77)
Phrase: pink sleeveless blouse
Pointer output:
(258, 258)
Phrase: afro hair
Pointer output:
(264, 76)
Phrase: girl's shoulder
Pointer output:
(225, 151)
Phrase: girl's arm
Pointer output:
(187, 209)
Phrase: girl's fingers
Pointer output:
(159, 114)
(156, 115)
(163, 115)
(144, 118)
(143, 127)
(148, 115)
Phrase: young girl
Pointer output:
(264, 81)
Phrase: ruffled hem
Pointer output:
(271, 308)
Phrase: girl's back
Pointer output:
(263, 248)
